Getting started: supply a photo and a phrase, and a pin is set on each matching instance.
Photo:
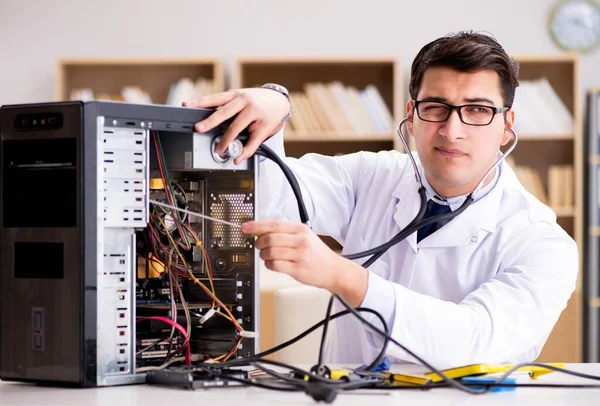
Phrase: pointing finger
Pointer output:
(280, 240)
(271, 226)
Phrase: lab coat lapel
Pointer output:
(408, 203)
(466, 228)
(469, 226)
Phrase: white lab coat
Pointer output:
(487, 287)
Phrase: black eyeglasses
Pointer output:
(470, 114)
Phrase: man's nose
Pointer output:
(453, 127)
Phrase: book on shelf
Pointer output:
(183, 90)
(531, 180)
(336, 109)
(186, 89)
(558, 194)
(539, 110)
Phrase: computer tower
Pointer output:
(97, 283)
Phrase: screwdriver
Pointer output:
(191, 213)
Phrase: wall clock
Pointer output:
(575, 25)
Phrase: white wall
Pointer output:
(34, 33)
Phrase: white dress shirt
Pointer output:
(487, 287)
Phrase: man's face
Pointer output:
(456, 155)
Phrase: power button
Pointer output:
(37, 329)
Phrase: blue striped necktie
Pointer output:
(433, 209)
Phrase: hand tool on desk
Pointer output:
(482, 383)
(400, 379)
(483, 369)
(470, 371)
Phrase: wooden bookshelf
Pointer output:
(313, 79)
(542, 151)
(539, 148)
(338, 133)
(107, 77)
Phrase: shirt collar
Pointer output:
(456, 202)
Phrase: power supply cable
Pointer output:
(469, 388)
(262, 355)
(319, 387)
(376, 253)
(324, 336)
(323, 388)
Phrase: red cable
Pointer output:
(188, 355)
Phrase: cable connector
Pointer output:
(248, 334)
(321, 392)
(207, 316)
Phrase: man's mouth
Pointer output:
(450, 152)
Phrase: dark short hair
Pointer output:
(467, 51)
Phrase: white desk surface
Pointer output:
(144, 395)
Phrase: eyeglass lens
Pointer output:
(470, 114)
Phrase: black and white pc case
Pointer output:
(90, 268)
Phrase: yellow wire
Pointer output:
(196, 280)
(152, 261)
(217, 359)
(206, 268)
(198, 243)
(174, 244)
(224, 315)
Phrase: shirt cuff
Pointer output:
(380, 297)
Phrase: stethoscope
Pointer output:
(418, 221)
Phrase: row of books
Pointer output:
(560, 190)
(539, 109)
(321, 108)
(337, 109)
(184, 89)
(333, 108)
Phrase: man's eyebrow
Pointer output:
(467, 100)
(478, 100)
(435, 99)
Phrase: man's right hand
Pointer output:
(260, 110)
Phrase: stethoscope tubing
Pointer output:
(418, 221)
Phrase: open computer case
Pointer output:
(97, 283)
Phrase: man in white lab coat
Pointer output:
(486, 287)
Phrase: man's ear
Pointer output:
(509, 122)
(410, 111)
